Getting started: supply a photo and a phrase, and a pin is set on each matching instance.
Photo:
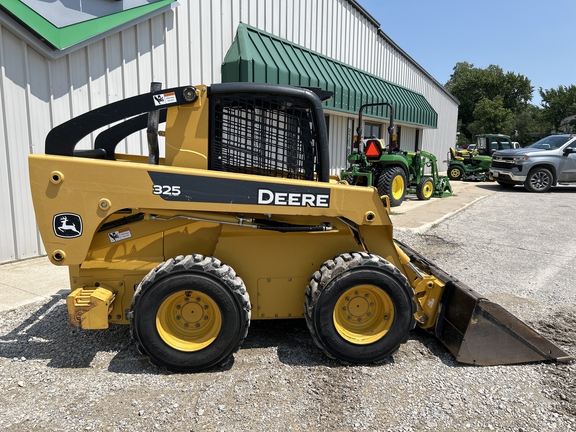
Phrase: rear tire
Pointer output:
(455, 172)
(425, 188)
(190, 313)
(392, 182)
(539, 180)
(359, 308)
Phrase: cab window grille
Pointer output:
(264, 136)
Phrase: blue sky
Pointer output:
(536, 39)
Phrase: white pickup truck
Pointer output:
(544, 164)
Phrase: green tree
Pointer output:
(472, 85)
(557, 104)
(529, 125)
(491, 116)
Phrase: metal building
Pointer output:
(52, 72)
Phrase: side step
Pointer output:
(478, 331)
(89, 307)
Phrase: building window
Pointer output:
(372, 130)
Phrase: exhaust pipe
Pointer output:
(480, 332)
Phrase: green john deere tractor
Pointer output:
(476, 165)
(392, 171)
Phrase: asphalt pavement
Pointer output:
(37, 279)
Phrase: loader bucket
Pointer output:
(442, 187)
(478, 331)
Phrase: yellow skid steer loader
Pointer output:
(240, 220)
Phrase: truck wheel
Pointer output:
(539, 180)
(455, 172)
(359, 308)
(425, 188)
(190, 313)
(392, 182)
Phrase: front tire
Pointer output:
(425, 188)
(359, 308)
(455, 172)
(392, 182)
(539, 180)
(190, 313)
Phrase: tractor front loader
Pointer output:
(240, 221)
(392, 171)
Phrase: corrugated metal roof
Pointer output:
(258, 56)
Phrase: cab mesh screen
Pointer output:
(264, 136)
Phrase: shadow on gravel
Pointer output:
(295, 346)
(47, 335)
(293, 341)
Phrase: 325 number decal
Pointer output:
(166, 190)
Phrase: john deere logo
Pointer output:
(67, 225)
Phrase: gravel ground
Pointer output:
(514, 247)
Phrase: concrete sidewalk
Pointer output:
(37, 279)
(31, 280)
(419, 215)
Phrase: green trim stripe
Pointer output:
(61, 38)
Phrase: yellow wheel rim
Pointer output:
(188, 321)
(455, 173)
(397, 187)
(428, 189)
(363, 314)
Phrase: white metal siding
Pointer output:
(182, 46)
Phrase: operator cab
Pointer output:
(487, 144)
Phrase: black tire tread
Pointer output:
(528, 185)
(452, 177)
(385, 180)
(420, 188)
(332, 268)
(209, 265)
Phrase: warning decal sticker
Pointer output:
(121, 234)
(166, 98)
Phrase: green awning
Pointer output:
(257, 56)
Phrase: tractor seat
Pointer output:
(454, 155)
